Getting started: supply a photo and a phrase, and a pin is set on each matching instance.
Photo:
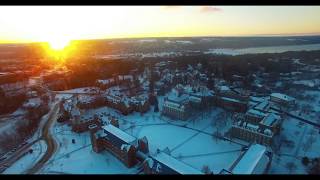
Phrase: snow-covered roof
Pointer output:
(224, 88)
(283, 97)
(174, 105)
(256, 113)
(196, 99)
(250, 160)
(178, 99)
(105, 81)
(253, 128)
(270, 119)
(119, 133)
(139, 99)
(203, 92)
(32, 103)
(125, 77)
(230, 99)
(85, 99)
(175, 164)
(263, 106)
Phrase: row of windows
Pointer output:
(250, 136)
(172, 111)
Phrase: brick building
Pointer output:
(257, 127)
(117, 142)
(178, 108)
(81, 124)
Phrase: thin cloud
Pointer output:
(209, 9)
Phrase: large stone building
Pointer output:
(257, 126)
(117, 142)
(183, 100)
(231, 100)
(256, 160)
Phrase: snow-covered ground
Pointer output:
(267, 49)
(181, 137)
(39, 149)
(194, 148)
(302, 140)
(190, 141)
(187, 144)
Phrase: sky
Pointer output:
(49, 23)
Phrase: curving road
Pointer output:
(48, 138)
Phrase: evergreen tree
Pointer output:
(156, 105)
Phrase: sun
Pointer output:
(58, 49)
(59, 44)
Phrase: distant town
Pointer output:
(151, 112)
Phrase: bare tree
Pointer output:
(291, 166)
(206, 169)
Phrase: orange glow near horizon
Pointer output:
(59, 24)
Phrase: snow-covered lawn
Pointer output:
(304, 140)
(190, 146)
(194, 148)
(29, 159)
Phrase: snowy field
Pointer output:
(183, 138)
(302, 140)
(194, 148)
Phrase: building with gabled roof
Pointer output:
(282, 99)
(163, 163)
(117, 142)
(255, 160)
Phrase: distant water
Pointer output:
(260, 50)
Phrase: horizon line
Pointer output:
(150, 37)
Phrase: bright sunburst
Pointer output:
(59, 44)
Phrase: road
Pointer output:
(300, 141)
(299, 118)
(48, 138)
(16, 156)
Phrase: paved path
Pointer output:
(48, 138)
(299, 118)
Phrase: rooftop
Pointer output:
(119, 133)
(270, 119)
(250, 160)
(175, 164)
(282, 96)
(256, 113)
